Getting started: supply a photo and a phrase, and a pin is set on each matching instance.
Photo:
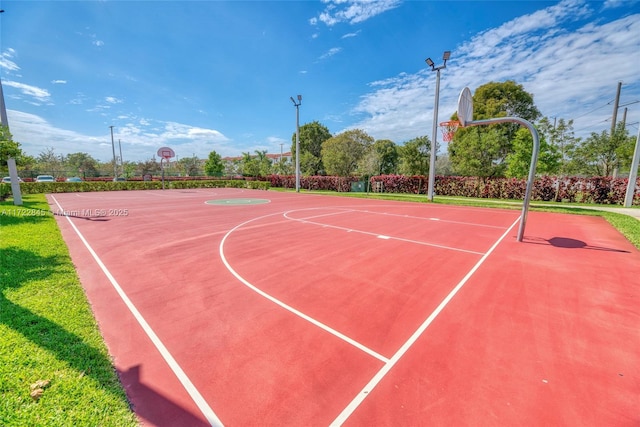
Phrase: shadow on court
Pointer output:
(157, 409)
(569, 243)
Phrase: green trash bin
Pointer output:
(358, 187)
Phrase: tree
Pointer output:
(81, 164)
(189, 166)
(50, 162)
(341, 153)
(214, 166)
(387, 154)
(477, 152)
(560, 135)
(310, 164)
(482, 150)
(414, 156)
(258, 165)
(602, 154)
(312, 135)
(149, 167)
(264, 164)
(10, 149)
(519, 161)
(283, 167)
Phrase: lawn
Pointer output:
(54, 367)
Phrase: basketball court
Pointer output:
(242, 307)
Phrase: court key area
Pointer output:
(241, 307)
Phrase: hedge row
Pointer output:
(599, 190)
(73, 187)
(326, 183)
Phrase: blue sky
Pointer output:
(200, 76)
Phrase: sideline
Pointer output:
(198, 399)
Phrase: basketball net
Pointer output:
(449, 129)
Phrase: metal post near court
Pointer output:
(297, 105)
(434, 134)
(115, 164)
(633, 174)
(465, 117)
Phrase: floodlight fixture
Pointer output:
(447, 55)
(299, 98)
(429, 62)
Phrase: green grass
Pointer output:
(47, 331)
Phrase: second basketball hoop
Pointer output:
(449, 129)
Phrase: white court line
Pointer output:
(202, 404)
(352, 230)
(472, 224)
(288, 307)
(366, 391)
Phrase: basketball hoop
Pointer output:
(449, 129)
(166, 153)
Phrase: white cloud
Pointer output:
(59, 82)
(330, 52)
(569, 73)
(113, 100)
(611, 4)
(352, 11)
(98, 43)
(349, 35)
(6, 61)
(41, 95)
(139, 139)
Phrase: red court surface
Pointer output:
(309, 310)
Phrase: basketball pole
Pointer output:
(532, 167)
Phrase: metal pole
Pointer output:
(532, 167)
(298, 148)
(297, 105)
(616, 105)
(121, 161)
(11, 162)
(162, 168)
(434, 141)
(113, 147)
(633, 174)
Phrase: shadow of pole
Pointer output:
(153, 407)
(569, 243)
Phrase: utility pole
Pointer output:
(115, 164)
(616, 105)
(121, 161)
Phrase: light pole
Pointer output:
(11, 162)
(121, 161)
(297, 105)
(434, 134)
(113, 147)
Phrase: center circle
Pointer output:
(236, 202)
